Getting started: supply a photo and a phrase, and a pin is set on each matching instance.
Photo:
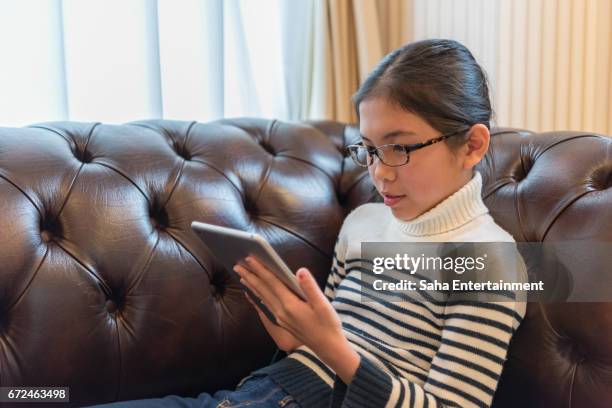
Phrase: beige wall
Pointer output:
(549, 61)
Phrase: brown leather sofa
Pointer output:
(105, 289)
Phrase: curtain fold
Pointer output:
(296, 21)
(351, 36)
(32, 72)
(549, 61)
(115, 61)
(112, 59)
(192, 58)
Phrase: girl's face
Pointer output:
(432, 173)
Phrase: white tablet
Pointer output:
(231, 246)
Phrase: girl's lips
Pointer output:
(392, 200)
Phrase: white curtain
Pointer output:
(120, 60)
(549, 61)
(32, 68)
(351, 36)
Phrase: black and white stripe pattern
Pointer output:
(417, 354)
(449, 355)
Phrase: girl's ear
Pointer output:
(477, 145)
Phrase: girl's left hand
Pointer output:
(315, 322)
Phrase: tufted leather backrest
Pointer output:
(553, 187)
(104, 287)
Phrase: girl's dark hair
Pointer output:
(438, 80)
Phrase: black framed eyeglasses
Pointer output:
(392, 154)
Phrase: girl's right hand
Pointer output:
(283, 339)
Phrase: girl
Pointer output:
(424, 117)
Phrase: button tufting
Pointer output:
(571, 350)
(182, 151)
(46, 236)
(84, 156)
(50, 228)
(267, 147)
(158, 215)
(520, 171)
(250, 207)
(111, 306)
(216, 291)
(601, 178)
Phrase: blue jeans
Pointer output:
(256, 390)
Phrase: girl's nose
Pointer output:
(383, 172)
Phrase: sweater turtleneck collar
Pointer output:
(456, 210)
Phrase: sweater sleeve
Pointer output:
(337, 272)
(464, 372)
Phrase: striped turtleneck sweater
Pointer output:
(412, 354)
